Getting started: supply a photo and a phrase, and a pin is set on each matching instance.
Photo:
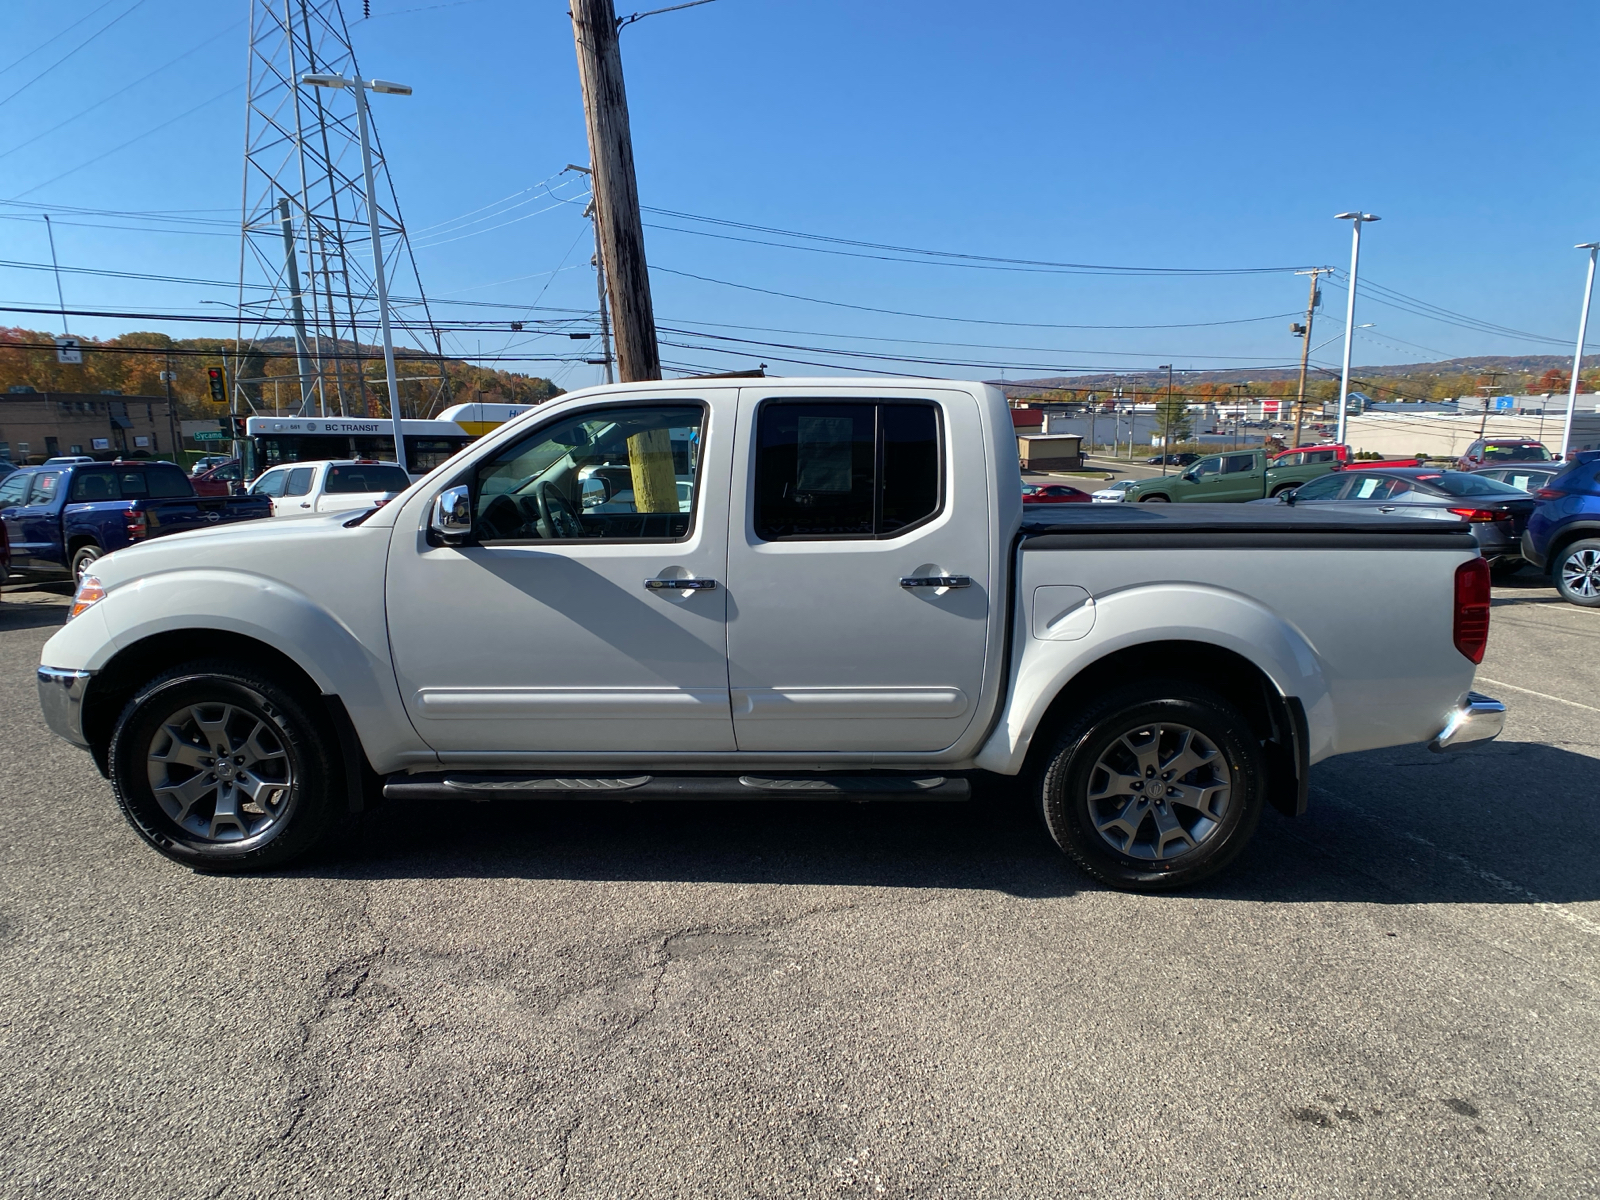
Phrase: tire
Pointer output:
(286, 795)
(1099, 816)
(1157, 498)
(1576, 573)
(1278, 491)
(82, 559)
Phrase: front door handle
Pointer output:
(1385, 508)
(936, 581)
(692, 585)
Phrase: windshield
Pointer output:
(1500, 452)
(1459, 483)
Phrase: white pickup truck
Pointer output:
(342, 485)
(789, 589)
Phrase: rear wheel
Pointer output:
(1155, 787)
(1156, 498)
(82, 559)
(223, 769)
(1576, 573)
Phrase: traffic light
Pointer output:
(219, 385)
(238, 426)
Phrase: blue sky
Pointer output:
(1155, 135)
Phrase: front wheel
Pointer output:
(223, 769)
(1155, 787)
(1576, 573)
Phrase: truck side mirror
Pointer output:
(451, 521)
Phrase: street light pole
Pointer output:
(1166, 426)
(361, 87)
(1577, 356)
(1356, 219)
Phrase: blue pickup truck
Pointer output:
(59, 519)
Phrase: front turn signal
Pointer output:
(90, 592)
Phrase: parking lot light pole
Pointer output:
(1577, 356)
(1356, 219)
(1166, 430)
(361, 87)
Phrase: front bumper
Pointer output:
(61, 699)
(1475, 718)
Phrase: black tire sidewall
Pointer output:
(1561, 561)
(1064, 784)
(311, 806)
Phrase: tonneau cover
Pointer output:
(1226, 526)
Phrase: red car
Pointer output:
(1052, 493)
(222, 480)
(1495, 452)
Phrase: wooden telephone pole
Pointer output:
(616, 193)
(1305, 354)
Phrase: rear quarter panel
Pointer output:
(1362, 637)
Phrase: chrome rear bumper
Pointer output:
(61, 698)
(1475, 718)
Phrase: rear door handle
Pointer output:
(692, 585)
(936, 581)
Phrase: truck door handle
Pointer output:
(305, 504)
(693, 585)
(936, 581)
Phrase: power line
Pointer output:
(56, 37)
(108, 25)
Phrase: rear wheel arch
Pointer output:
(1565, 538)
(1276, 720)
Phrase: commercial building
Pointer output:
(35, 426)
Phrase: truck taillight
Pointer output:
(1471, 624)
(1478, 516)
(138, 525)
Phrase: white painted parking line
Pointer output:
(1541, 695)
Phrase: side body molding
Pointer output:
(1157, 612)
(344, 661)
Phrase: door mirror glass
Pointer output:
(1288, 497)
(452, 514)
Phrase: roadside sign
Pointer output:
(211, 435)
(69, 350)
(1503, 402)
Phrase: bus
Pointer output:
(479, 418)
(270, 441)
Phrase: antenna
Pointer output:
(305, 247)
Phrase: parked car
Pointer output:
(64, 460)
(339, 485)
(1053, 493)
(1563, 535)
(850, 608)
(6, 468)
(224, 479)
(208, 461)
(1486, 452)
(1244, 475)
(5, 554)
(62, 519)
(1496, 513)
(1113, 493)
(1171, 460)
(1530, 477)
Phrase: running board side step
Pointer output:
(461, 785)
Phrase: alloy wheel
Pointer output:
(220, 772)
(1580, 574)
(1159, 792)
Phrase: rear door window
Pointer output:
(852, 469)
(95, 486)
(44, 487)
(366, 478)
(1238, 464)
(167, 483)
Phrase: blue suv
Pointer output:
(1563, 534)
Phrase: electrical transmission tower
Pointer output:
(305, 255)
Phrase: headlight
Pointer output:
(90, 592)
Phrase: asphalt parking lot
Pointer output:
(1397, 995)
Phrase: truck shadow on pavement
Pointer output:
(1509, 823)
(16, 614)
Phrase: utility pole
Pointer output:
(1577, 355)
(172, 422)
(297, 307)
(1166, 431)
(1487, 389)
(616, 191)
(1305, 352)
(598, 263)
